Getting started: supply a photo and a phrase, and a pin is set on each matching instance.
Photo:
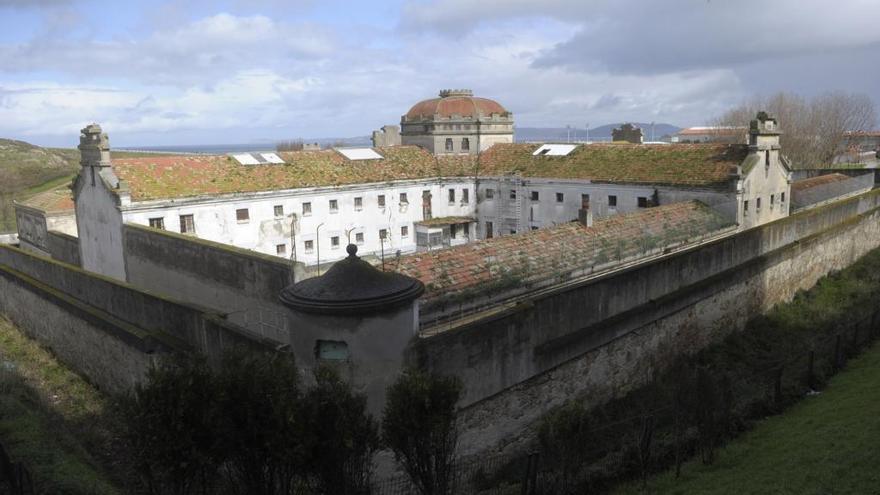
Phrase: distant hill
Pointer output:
(601, 133)
(26, 169)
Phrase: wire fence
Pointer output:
(662, 436)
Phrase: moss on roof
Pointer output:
(181, 176)
(56, 200)
(703, 165)
(165, 177)
(437, 221)
(555, 251)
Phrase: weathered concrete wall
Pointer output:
(833, 191)
(111, 353)
(63, 247)
(197, 326)
(241, 283)
(99, 223)
(608, 335)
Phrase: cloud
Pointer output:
(32, 4)
(198, 52)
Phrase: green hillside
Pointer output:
(26, 169)
(828, 443)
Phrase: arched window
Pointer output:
(448, 144)
(465, 144)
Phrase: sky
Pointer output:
(243, 71)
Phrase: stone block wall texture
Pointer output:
(607, 336)
(112, 354)
(198, 327)
(241, 283)
(63, 247)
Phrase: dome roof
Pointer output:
(352, 286)
(459, 102)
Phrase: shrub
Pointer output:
(419, 426)
(342, 437)
(260, 424)
(170, 427)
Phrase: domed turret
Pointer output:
(456, 123)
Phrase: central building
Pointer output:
(456, 123)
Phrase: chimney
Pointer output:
(94, 147)
(585, 215)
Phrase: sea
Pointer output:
(221, 149)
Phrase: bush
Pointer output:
(260, 422)
(342, 437)
(419, 426)
(170, 427)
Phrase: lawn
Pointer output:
(51, 419)
(827, 444)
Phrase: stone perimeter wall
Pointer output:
(111, 354)
(242, 284)
(620, 346)
(181, 325)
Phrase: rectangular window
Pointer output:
(359, 238)
(512, 231)
(383, 233)
(242, 215)
(331, 350)
(310, 246)
(452, 230)
(452, 195)
(187, 225)
(772, 200)
(307, 209)
(465, 196)
(467, 230)
(612, 201)
(281, 249)
(279, 211)
(490, 193)
(403, 199)
(560, 197)
(489, 230)
(381, 201)
(782, 198)
(404, 231)
(334, 206)
(358, 203)
(513, 194)
(157, 223)
(535, 196)
(746, 207)
(642, 202)
(334, 242)
(758, 204)
(448, 144)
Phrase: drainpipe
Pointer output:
(318, 244)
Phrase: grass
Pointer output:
(827, 443)
(50, 419)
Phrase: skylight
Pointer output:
(554, 150)
(359, 153)
(257, 158)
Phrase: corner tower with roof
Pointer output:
(456, 123)
(764, 177)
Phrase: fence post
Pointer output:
(836, 360)
(811, 376)
(777, 385)
(531, 475)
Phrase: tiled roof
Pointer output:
(166, 177)
(463, 106)
(181, 176)
(446, 221)
(555, 250)
(57, 200)
(804, 184)
(703, 165)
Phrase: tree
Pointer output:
(419, 426)
(814, 131)
(261, 428)
(342, 437)
(169, 426)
